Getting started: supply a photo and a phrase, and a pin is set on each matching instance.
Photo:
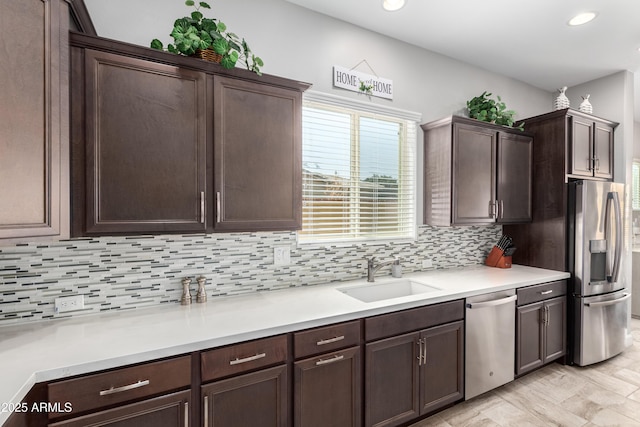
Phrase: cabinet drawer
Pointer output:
(541, 292)
(387, 325)
(121, 385)
(327, 338)
(234, 359)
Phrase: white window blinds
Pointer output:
(358, 172)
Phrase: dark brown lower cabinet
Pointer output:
(413, 374)
(327, 390)
(257, 399)
(165, 411)
(541, 333)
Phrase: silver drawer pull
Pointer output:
(546, 292)
(247, 359)
(327, 361)
(330, 340)
(114, 390)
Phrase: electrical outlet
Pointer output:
(281, 255)
(72, 303)
(427, 263)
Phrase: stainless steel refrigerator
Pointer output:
(601, 291)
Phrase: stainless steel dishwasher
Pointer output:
(490, 341)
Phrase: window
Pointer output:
(358, 171)
(635, 185)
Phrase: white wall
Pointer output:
(300, 44)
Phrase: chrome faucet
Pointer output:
(372, 267)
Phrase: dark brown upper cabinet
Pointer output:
(258, 156)
(145, 142)
(476, 173)
(163, 143)
(583, 141)
(34, 130)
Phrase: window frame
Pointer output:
(371, 110)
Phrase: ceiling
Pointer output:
(528, 40)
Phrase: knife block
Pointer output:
(496, 258)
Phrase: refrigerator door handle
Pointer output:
(612, 197)
(625, 297)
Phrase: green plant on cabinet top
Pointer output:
(489, 110)
(195, 32)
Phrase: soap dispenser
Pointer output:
(396, 269)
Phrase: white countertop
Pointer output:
(47, 350)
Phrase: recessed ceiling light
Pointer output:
(582, 18)
(392, 5)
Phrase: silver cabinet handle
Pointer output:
(114, 390)
(206, 411)
(546, 292)
(330, 340)
(626, 296)
(247, 359)
(420, 352)
(493, 208)
(186, 413)
(424, 351)
(202, 207)
(218, 203)
(327, 361)
(548, 315)
(492, 303)
(501, 213)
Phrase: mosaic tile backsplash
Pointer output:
(118, 273)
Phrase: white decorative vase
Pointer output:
(562, 101)
(585, 105)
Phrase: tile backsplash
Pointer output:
(118, 273)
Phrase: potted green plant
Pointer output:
(195, 33)
(489, 110)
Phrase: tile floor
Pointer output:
(606, 394)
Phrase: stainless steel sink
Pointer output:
(383, 291)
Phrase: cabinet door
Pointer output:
(258, 399)
(514, 189)
(603, 151)
(555, 328)
(391, 381)
(580, 147)
(258, 156)
(529, 338)
(34, 131)
(145, 146)
(164, 411)
(442, 367)
(474, 174)
(327, 390)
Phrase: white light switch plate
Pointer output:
(427, 263)
(281, 255)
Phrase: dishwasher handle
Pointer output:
(492, 303)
